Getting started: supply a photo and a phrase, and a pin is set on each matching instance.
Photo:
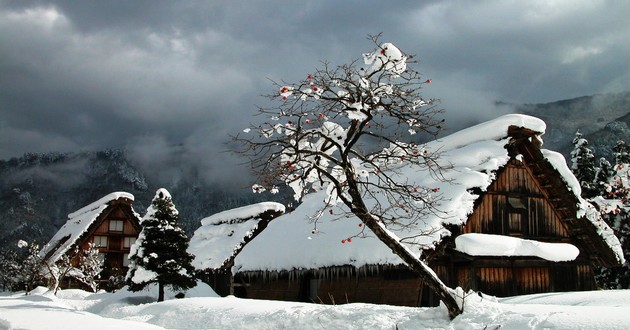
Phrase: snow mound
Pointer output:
(506, 246)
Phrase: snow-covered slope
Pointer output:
(73, 309)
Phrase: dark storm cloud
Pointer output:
(150, 75)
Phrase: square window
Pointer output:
(100, 241)
(128, 242)
(116, 225)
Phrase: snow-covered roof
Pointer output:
(78, 223)
(470, 158)
(222, 235)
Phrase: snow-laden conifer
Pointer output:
(583, 165)
(159, 254)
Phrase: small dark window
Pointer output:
(517, 203)
(517, 212)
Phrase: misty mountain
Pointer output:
(603, 119)
(37, 191)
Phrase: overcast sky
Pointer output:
(156, 75)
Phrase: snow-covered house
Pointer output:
(512, 222)
(109, 223)
(223, 235)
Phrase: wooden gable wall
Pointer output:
(516, 205)
(113, 232)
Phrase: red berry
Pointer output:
(309, 77)
(428, 81)
(330, 211)
(349, 240)
(343, 241)
(360, 225)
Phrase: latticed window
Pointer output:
(128, 241)
(116, 225)
(100, 241)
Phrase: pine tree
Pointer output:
(617, 277)
(603, 174)
(159, 254)
(620, 180)
(620, 152)
(9, 270)
(583, 165)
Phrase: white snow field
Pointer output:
(76, 309)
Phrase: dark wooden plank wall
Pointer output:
(516, 205)
(390, 286)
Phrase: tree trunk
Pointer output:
(160, 292)
(424, 272)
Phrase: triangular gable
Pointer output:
(85, 221)
(516, 204)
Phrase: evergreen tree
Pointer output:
(583, 165)
(9, 270)
(620, 152)
(617, 277)
(613, 185)
(603, 174)
(620, 180)
(159, 254)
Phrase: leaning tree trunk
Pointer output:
(424, 272)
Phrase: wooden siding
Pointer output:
(393, 286)
(115, 251)
(516, 205)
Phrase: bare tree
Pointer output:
(59, 269)
(90, 267)
(351, 130)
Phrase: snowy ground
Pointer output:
(75, 309)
